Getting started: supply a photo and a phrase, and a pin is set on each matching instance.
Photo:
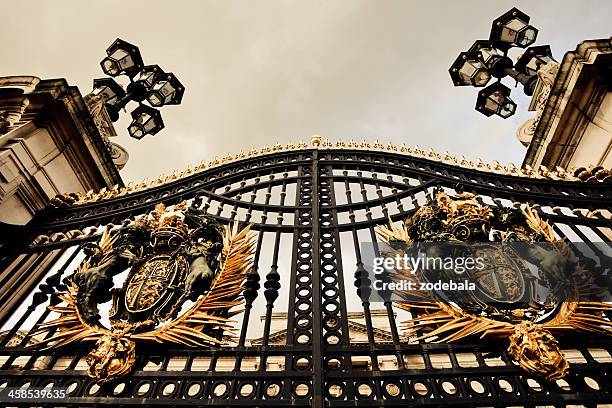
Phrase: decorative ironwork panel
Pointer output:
(307, 332)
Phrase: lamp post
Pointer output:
(148, 83)
(487, 59)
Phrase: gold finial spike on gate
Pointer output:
(561, 173)
(512, 169)
(432, 154)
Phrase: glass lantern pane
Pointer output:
(467, 70)
(491, 104)
(155, 99)
(147, 77)
(119, 54)
(533, 65)
(515, 24)
(481, 77)
(168, 90)
(497, 97)
(104, 91)
(527, 36)
(136, 131)
(149, 125)
(488, 54)
(109, 96)
(126, 62)
(110, 67)
(508, 35)
(507, 110)
(143, 118)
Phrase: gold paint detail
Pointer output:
(537, 351)
(113, 356)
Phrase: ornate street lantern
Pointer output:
(489, 58)
(123, 58)
(146, 121)
(512, 30)
(495, 100)
(533, 59)
(147, 83)
(468, 69)
(167, 90)
(110, 90)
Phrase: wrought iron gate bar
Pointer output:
(317, 329)
(335, 317)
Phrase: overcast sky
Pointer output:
(257, 72)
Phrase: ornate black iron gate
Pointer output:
(311, 208)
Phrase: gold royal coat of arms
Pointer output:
(170, 257)
(506, 303)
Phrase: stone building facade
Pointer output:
(50, 144)
(572, 127)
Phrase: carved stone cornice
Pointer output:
(546, 77)
(14, 100)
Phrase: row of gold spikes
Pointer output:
(316, 142)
